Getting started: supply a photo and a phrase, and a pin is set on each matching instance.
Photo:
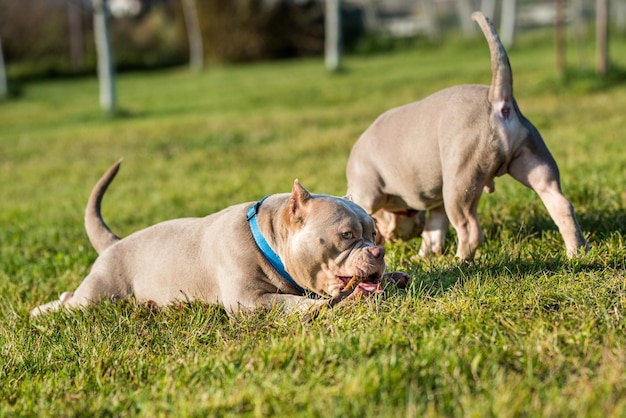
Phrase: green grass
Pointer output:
(522, 331)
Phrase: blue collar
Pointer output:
(265, 248)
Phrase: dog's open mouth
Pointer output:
(353, 286)
(365, 285)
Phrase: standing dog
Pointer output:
(258, 254)
(438, 154)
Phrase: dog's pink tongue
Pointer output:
(369, 288)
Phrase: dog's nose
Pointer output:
(376, 252)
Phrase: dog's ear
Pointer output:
(297, 203)
(379, 239)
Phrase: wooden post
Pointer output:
(333, 35)
(106, 72)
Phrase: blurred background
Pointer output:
(50, 38)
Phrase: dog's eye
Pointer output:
(347, 235)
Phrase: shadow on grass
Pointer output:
(534, 253)
(602, 224)
(438, 279)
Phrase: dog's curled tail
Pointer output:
(501, 90)
(98, 232)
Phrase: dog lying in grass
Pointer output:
(274, 252)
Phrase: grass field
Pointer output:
(522, 331)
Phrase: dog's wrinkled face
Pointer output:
(399, 226)
(332, 240)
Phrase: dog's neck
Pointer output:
(270, 255)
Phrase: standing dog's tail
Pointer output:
(98, 232)
(501, 90)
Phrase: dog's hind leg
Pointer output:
(53, 306)
(96, 286)
(540, 173)
(464, 219)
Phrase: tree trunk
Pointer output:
(106, 71)
(75, 27)
(619, 11)
(579, 28)
(333, 35)
(196, 49)
(559, 34)
(602, 37)
(4, 85)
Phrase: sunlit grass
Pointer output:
(519, 332)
